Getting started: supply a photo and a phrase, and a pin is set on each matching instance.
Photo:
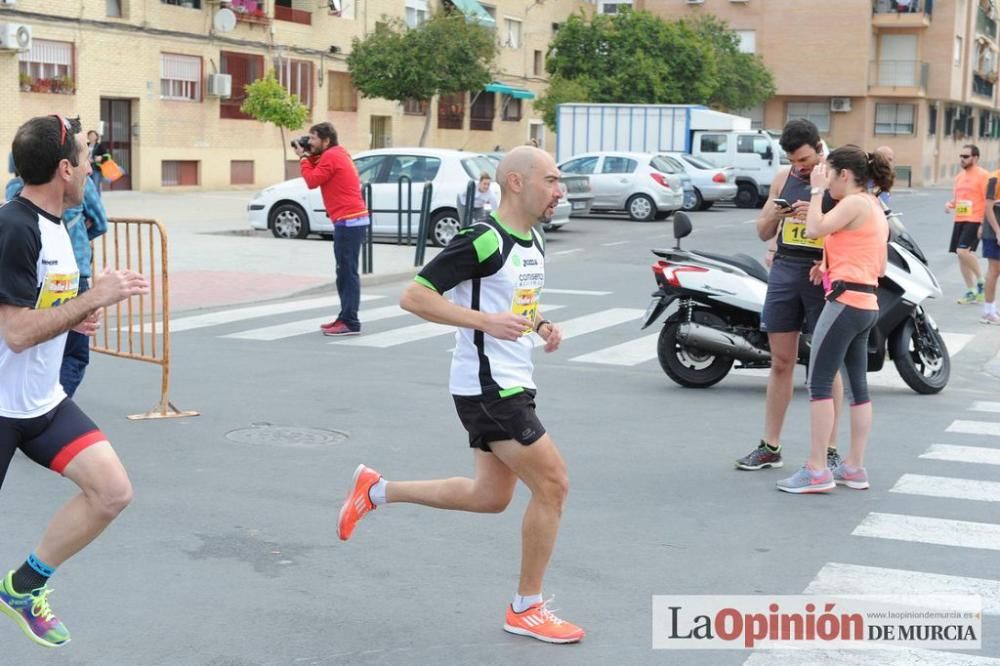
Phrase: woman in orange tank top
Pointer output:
(856, 234)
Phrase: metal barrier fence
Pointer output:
(138, 328)
(402, 213)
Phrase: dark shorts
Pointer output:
(51, 440)
(964, 236)
(991, 250)
(499, 419)
(792, 300)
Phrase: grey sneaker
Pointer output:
(856, 478)
(760, 458)
(807, 481)
(832, 458)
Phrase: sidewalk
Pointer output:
(216, 259)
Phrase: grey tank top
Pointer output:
(792, 242)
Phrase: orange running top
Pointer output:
(970, 194)
(855, 255)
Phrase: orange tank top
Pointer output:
(856, 255)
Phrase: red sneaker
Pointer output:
(340, 329)
(329, 324)
(358, 503)
(537, 621)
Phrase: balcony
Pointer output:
(902, 13)
(982, 86)
(283, 11)
(253, 12)
(986, 25)
(897, 78)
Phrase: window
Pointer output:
(817, 112)
(748, 40)
(294, 11)
(618, 165)
(296, 76)
(755, 114)
(582, 165)
(190, 4)
(482, 112)
(416, 12)
(178, 172)
(47, 67)
(958, 50)
(245, 69)
(949, 120)
(415, 107)
(475, 166)
(538, 63)
(752, 143)
(451, 111)
(931, 120)
(419, 169)
(894, 118)
(513, 39)
(340, 92)
(665, 164)
(241, 172)
(510, 108)
(368, 167)
(697, 162)
(180, 77)
(113, 8)
(714, 143)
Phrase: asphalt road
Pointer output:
(229, 556)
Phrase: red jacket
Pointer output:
(334, 173)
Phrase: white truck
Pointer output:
(724, 139)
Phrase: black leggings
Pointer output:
(840, 341)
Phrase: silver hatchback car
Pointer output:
(636, 183)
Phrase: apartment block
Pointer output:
(917, 75)
(166, 78)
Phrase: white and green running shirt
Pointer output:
(490, 267)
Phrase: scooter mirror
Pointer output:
(682, 226)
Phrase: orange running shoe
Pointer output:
(358, 503)
(539, 622)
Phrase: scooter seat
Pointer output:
(742, 261)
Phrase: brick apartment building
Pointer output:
(917, 75)
(148, 69)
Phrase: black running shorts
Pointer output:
(51, 440)
(964, 236)
(489, 419)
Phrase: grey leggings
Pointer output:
(840, 341)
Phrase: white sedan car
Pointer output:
(637, 183)
(711, 183)
(397, 177)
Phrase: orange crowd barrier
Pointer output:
(138, 328)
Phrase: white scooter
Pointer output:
(719, 300)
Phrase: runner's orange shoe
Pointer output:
(358, 503)
(539, 622)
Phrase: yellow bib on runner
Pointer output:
(794, 233)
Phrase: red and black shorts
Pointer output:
(51, 440)
(495, 419)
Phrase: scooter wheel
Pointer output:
(921, 357)
(693, 368)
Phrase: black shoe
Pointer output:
(832, 458)
(760, 458)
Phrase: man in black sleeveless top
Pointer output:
(794, 292)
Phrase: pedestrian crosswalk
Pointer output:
(963, 536)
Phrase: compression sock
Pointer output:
(32, 575)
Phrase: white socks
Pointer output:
(377, 492)
(521, 604)
(989, 308)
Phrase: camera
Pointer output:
(303, 142)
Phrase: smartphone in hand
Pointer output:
(782, 204)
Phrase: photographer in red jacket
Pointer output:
(329, 167)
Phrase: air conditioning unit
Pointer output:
(15, 36)
(840, 104)
(696, 2)
(220, 85)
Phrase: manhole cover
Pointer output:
(291, 436)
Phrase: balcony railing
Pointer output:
(981, 86)
(894, 74)
(283, 13)
(985, 25)
(903, 7)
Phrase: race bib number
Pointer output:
(794, 233)
(57, 289)
(526, 304)
(963, 207)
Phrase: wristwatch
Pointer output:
(816, 190)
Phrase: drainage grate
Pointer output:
(290, 436)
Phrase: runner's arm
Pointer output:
(991, 197)
(770, 215)
(819, 224)
(423, 300)
(23, 328)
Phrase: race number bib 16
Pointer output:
(57, 289)
(963, 207)
(794, 233)
(526, 304)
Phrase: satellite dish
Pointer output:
(224, 20)
(335, 6)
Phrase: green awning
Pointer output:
(474, 12)
(519, 93)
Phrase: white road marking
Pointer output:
(975, 428)
(615, 243)
(851, 579)
(900, 657)
(921, 529)
(983, 406)
(570, 251)
(594, 322)
(304, 326)
(628, 353)
(573, 292)
(254, 311)
(969, 454)
(947, 487)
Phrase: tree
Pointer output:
(638, 58)
(445, 54)
(269, 102)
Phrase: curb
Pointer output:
(374, 279)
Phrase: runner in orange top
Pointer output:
(969, 205)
